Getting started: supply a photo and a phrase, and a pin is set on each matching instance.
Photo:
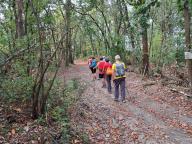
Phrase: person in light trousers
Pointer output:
(118, 78)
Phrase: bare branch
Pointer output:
(18, 53)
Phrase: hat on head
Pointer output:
(117, 57)
(107, 59)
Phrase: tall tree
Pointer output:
(128, 24)
(69, 55)
(187, 20)
(18, 7)
(144, 37)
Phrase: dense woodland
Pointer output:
(38, 37)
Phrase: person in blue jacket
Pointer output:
(92, 66)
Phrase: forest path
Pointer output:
(152, 114)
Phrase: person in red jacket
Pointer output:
(100, 66)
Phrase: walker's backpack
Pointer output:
(109, 71)
(120, 70)
(93, 63)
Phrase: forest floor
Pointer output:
(152, 114)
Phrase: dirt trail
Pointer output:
(152, 114)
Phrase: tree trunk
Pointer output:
(145, 52)
(19, 22)
(71, 61)
(92, 44)
(188, 39)
(129, 28)
(68, 56)
(129, 31)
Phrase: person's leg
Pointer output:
(116, 86)
(107, 80)
(109, 84)
(100, 76)
(122, 85)
(104, 80)
(94, 74)
(90, 70)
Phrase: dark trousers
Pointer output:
(108, 79)
(119, 83)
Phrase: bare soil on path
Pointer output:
(153, 114)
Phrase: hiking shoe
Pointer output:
(116, 100)
(124, 101)
(103, 86)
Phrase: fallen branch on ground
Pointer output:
(149, 84)
(181, 92)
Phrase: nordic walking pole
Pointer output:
(126, 86)
(127, 90)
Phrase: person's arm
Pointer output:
(125, 67)
(113, 74)
(96, 66)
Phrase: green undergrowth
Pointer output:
(61, 98)
(58, 107)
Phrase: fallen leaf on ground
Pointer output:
(17, 109)
(13, 131)
(26, 128)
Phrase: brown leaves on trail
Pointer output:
(16, 125)
(134, 136)
(76, 141)
(164, 108)
(13, 131)
(26, 128)
(189, 131)
(2, 140)
(17, 109)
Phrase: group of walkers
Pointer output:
(108, 72)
